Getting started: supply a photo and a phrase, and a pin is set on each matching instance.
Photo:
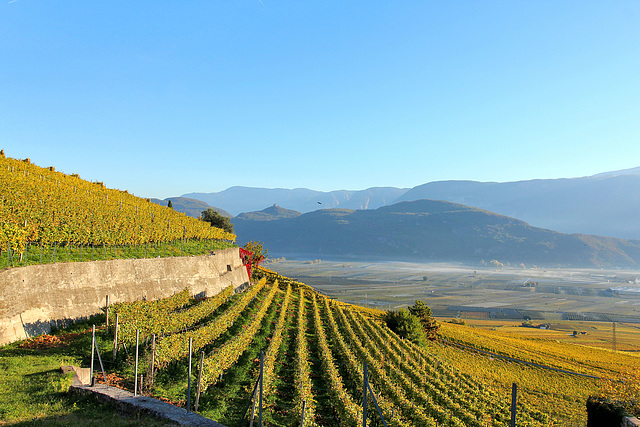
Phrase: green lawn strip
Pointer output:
(33, 391)
(33, 387)
(48, 254)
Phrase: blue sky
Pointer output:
(164, 98)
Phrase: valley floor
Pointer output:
(557, 296)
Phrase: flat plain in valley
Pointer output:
(587, 301)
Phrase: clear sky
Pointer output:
(164, 97)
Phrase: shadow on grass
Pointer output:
(33, 390)
(88, 411)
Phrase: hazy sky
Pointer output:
(167, 97)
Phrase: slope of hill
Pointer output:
(44, 207)
(314, 349)
(190, 207)
(434, 231)
(607, 205)
(630, 171)
(247, 199)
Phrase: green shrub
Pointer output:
(406, 325)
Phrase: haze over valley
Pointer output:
(482, 292)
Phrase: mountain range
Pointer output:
(247, 199)
(606, 204)
(466, 221)
(428, 230)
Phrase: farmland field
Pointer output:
(568, 299)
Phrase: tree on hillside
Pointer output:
(406, 325)
(423, 313)
(217, 220)
(170, 205)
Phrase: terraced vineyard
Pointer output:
(48, 216)
(314, 350)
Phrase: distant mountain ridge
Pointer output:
(247, 199)
(430, 230)
(606, 204)
(631, 171)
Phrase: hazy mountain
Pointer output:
(272, 213)
(632, 171)
(429, 230)
(247, 199)
(606, 204)
(191, 207)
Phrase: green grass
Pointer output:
(34, 392)
(33, 387)
(35, 254)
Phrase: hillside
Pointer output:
(314, 349)
(51, 211)
(607, 204)
(431, 230)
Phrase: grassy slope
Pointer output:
(33, 391)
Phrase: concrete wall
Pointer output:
(34, 298)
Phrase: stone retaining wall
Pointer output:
(37, 297)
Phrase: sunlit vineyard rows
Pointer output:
(43, 207)
(314, 351)
(563, 396)
(572, 357)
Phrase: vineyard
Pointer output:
(46, 215)
(310, 353)
(314, 353)
(571, 357)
